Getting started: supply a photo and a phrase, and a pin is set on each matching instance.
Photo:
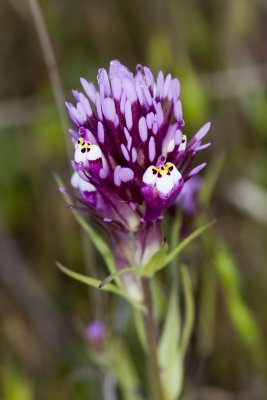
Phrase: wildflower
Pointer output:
(95, 331)
(131, 157)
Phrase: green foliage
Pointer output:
(122, 366)
(169, 354)
(211, 178)
(176, 335)
(174, 253)
(159, 260)
(239, 312)
(189, 310)
(193, 96)
(15, 385)
(156, 261)
(95, 283)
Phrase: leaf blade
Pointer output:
(87, 280)
(116, 274)
(185, 242)
(189, 310)
(155, 262)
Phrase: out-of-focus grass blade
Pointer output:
(140, 328)
(211, 178)
(207, 311)
(171, 330)
(125, 372)
(169, 357)
(185, 242)
(189, 310)
(239, 312)
(161, 259)
(14, 385)
(194, 97)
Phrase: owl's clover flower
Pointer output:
(131, 158)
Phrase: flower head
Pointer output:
(131, 159)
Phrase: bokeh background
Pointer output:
(218, 50)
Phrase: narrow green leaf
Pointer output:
(171, 331)
(87, 280)
(189, 309)
(98, 241)
(95, 237)
(79, 277)
(170, 359)
(140, 328)
(125, 371)
(156, 261)
(113, 276)
(240, 314)
(184, 243)
(207, 312)
(173, 378)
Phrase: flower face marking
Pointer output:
(83, 146)
(85, 152)
(163, 179)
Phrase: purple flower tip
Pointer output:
(108, 108)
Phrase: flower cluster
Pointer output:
(131, 158)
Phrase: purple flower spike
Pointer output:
(131, 154)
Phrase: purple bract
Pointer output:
(131, 159)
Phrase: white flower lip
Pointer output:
(80, 184)
(164, 179)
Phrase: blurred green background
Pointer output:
(218, 50)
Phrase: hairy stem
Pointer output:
(156, 388)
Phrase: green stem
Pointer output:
(155, 381)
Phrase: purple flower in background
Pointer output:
(131, 158)
(95, 331)
(187, 199)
